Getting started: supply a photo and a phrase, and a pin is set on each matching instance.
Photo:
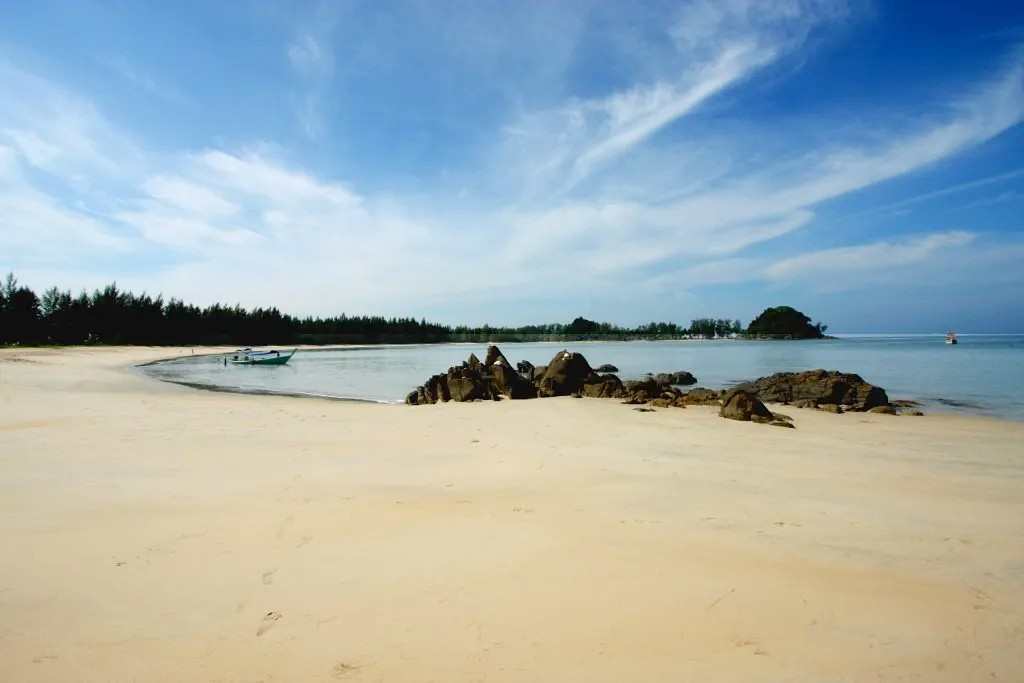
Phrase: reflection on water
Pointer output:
(983, 374)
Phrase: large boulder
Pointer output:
(607, 367)
(739, 404)
(507, 382)
(502, 378)
(698, 396)
(819, 387)
(602, 386)
(564, 375)
(466, 383)
(493, 354)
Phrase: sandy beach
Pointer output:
(154, 532)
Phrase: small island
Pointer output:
(785, 322)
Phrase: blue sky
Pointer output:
(529, 162)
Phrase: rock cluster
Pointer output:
(739, 404)
(567, 374)
(828, 390)
(474, 380)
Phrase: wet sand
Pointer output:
(159, 533)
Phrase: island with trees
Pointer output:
(785, 322)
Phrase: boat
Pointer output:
(951, 338)
(250, 357)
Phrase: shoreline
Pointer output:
(160, 533)
(934, 405)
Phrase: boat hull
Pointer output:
(265, 359)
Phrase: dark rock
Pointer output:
(806, 403)
(821, 386)
(602, 386)
(661, 403)
(607, 367)
(739, 404)
(643, 409)
(675, 378)
(538, 372)
(525, 369)
(565, 374)
(701, 397)
(782, 423)
(474, 381)
(831, 408)
(647, 385)
(781, 416)
(508, 382)
(493, 354)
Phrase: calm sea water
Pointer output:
(984, 374)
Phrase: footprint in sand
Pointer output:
(269, 620)
(342, 669)
(268, 577)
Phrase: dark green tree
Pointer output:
(783, 322)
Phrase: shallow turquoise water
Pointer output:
(983, 374)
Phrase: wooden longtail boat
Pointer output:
(250, 357)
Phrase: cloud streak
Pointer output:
(884, 255)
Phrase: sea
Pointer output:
(982, 375)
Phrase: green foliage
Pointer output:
(785, 321)
(712, 327)
(113, 316)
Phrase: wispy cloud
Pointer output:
(884, 255)
(311, 56)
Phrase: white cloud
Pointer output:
(886, 255)
(39, 229)
(58, 131)
(635, 115)
(188, 196)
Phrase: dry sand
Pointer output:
(157, 533)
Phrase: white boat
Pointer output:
(951, 338)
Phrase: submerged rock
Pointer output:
(681, 377)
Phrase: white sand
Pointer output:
(157, 533)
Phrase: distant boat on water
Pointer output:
(250, 357)
(951, 338)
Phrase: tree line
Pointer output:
(114, 316)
